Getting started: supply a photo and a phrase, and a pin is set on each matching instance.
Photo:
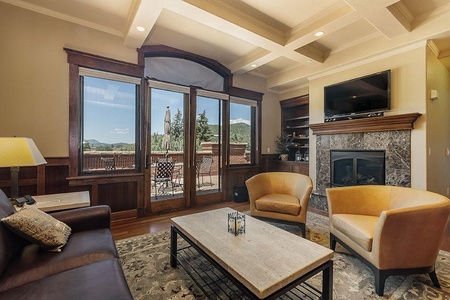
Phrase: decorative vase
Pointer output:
(284, 156)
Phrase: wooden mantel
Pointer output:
(384, 123)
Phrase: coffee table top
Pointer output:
(264, 258)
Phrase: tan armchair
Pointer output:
(393, 230)
(280, 196)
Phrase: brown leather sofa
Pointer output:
(393, 230)
(88, 266)
(280, 196)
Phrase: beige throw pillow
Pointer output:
(39, 227)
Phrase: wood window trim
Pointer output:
(77, 59)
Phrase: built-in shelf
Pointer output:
(297, 118)
(384, 123)
(295, 123)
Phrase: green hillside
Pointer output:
(239, 132)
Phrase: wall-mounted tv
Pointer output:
(362, 95)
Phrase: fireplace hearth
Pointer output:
(363, 167)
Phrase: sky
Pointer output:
(110, 108)
(161, 99)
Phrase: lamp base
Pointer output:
(14, 183)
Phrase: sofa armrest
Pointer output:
(410, 237)
(86, 218)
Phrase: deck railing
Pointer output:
(102, 160)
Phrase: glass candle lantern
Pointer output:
(236, 223)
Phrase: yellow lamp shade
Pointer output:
(19, 152)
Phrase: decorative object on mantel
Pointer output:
(385, 123)
(236, 223)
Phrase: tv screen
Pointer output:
(361, 95)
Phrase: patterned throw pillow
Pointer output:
(39, 227)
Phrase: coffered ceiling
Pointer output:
(276, 40)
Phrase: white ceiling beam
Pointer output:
(377, 14)
(332, 20)
(377, 48)
(144, 13)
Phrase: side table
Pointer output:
(63, 201)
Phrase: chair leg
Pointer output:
(303, 229)
(332, 242)
(434, 279)
(380, 279)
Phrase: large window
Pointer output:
(109, 122)
(242, 131)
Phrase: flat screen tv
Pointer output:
(358, 96)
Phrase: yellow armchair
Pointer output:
(280, 196)
(393, 230)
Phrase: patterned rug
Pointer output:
(145, 261)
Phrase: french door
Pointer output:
(185, 147)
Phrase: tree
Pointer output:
(86, 146)
(203, 132)
(104, 148)
(177, 132)
(156, 142)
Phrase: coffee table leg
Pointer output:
(327, 282)
(173, 247)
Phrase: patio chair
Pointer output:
(204, 167)
(109, 163)
(163, 177)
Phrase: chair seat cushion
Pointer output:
(280, 203)
(359, 228)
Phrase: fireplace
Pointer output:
(357, 167)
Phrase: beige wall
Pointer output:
(34, 77)
(34, 74)
(438, 126)
(407, 95)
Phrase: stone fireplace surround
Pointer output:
(395, 139)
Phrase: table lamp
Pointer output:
(18, 152)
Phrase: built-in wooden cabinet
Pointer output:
(300, 167)
(295, 122)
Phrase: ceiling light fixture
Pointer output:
(140, 28)
(319, 33)
(254, 65)
(309, 61)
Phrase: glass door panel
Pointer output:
(208, 145)
(166, 155)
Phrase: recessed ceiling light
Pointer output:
(254, 65)
(309, 61)
(319, 33)
(140, 28)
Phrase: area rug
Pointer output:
(145, 261)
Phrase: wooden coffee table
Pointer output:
(263, 263)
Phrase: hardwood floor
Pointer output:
(129, 228)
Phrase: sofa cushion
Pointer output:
(359, 228)
(100, 280)
(38, 227)
(280, 203)
(82, 248)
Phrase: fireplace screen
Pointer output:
(357, 168)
